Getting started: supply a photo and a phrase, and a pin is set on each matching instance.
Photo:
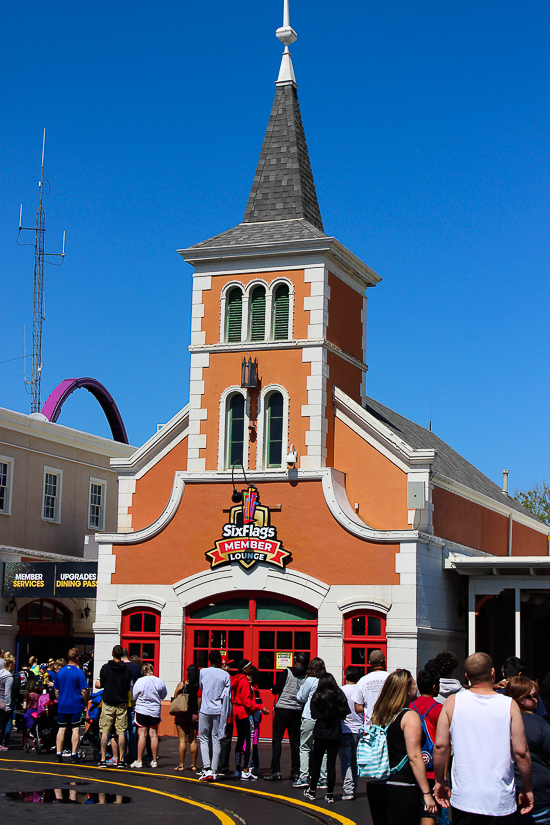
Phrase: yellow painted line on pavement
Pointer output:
(221, 816)
(303, 804)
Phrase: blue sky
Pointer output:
(428, 131)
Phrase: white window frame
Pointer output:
(10, 461)
(248, 295)
(223, 463)
(223, 312)
(261, 454)
(269, 318)
(103, 484)
(59, 473)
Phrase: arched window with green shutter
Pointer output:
(274, 430)
(235, 429)
(257, 314)
(280, 313)
(234, 314)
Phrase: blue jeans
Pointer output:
(132, 736)
(348, 762)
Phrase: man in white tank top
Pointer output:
(486, 732)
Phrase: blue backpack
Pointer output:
(429, 736)
(373, 761)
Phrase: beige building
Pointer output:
(57, 490)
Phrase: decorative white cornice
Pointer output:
(59, 434)
(156, 527)
(334, 490)
(156, 447)
(364, 603)
(300, 343)
(142, 600)
(378, 435)
(329, 250)
(40, 555)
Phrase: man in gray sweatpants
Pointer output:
(215, 686)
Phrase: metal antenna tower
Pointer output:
(38, 310)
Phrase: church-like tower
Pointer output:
(275, 289)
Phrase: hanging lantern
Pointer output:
(249, 373)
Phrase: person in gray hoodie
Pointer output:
(445, 663)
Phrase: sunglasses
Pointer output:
(533, 696)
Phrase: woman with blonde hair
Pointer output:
(537, 733)
(148, 691)
(405, 795)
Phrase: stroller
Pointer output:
(91, 736)
(41, 735)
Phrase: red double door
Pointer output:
(269, 643)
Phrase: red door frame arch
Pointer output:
(261, 639)
(362, 637)
(142, 637)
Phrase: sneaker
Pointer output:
(300, 784)
(309, 794)
(212, 777)
(206, 775)
(66, 752)
(348, 797)
(112, 760)
(246, 775)
(59, 757)
(237, 775)
(329, 797)
(273, 777)
(121, 764)
(101, 764)
(322, 786)
(154, 764)
(136, 764)
(2, 748)
(74, 758)
(253, 777)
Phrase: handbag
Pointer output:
(179, 704)
(373, 761)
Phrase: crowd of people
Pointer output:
(481, 749)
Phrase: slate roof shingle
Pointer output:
(447, 462)
(283, 186)
(260, 233)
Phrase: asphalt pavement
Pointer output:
(67, 792)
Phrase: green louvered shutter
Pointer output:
(257, 314)
(280, 313)
(234, 314)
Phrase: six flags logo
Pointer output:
(248, 537)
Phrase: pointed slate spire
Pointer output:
(283, 187)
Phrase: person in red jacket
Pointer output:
(244, 705)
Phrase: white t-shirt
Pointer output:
(368, 690)
(214, 684)
(353, 722)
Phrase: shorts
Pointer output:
(69, 720)
(143, 721)
(186, 719)
(113, 714)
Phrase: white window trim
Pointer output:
(59, 473)
(223, 310)
(222, 430)
(272, 287)
(10, 461)
(261, 448)
(103, 484)
(248, 294)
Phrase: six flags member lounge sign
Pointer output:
(248, 537)
(40, 579)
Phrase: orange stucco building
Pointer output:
(282, 509)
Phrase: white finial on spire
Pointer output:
(286, 35)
